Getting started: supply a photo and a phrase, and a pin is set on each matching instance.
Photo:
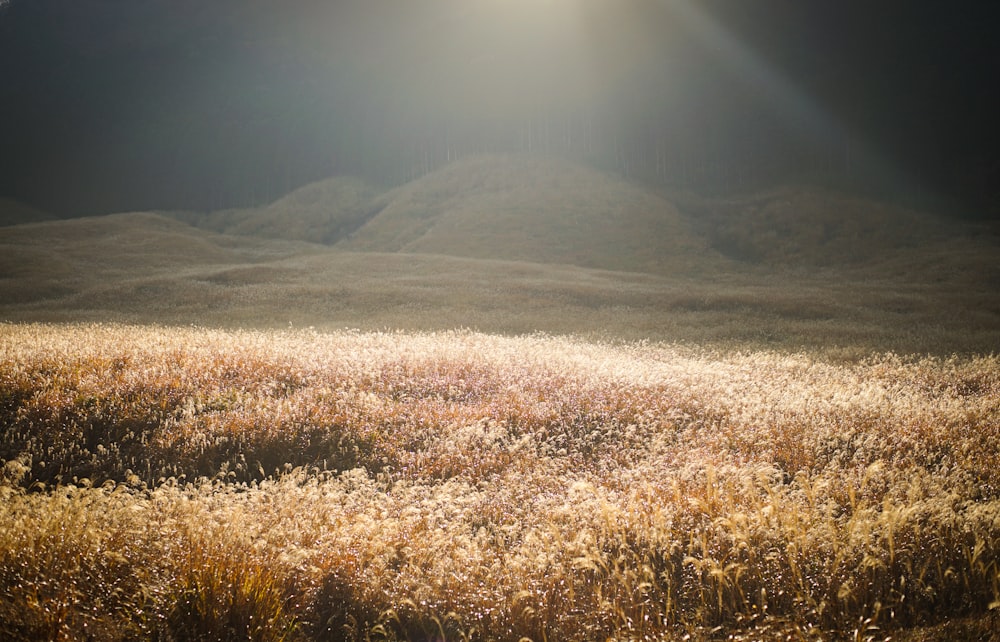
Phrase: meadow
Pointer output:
(662, 416)
(177, 483)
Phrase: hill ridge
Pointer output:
(533, 208)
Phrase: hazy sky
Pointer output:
(121, 104)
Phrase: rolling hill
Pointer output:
(145, 268)
(537, 209)
(548, 210)
(810, 226)
(321, 212)
(522, 244)
(504, 207)
(42, 264)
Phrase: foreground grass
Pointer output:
(191, 484)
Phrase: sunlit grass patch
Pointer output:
(165, 483)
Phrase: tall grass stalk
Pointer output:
(164, 484)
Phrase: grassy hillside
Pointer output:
(811, 226)
(792, 436)
(549, 210)
(537, 209)
(321, 212)
(542, 209)
(167, 484)
(122, 245)
(144, 268)
(49, 265)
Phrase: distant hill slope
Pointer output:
(50, 260)
(804, 225)
(538, 209)
(320, 212)
(16, 213)
(147, 268)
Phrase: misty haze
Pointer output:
(498, 320)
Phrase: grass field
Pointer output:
(176, 484)
(514, 399)
(143, 268)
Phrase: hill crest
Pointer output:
(807, 225)
(537, 209)
(320, 212)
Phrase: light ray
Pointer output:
(803, 114)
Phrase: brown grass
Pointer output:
(193, 484)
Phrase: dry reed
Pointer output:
(165, 483)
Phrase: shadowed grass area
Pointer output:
(182, 483)
(808, 225)
(142, 268)
(515, 244)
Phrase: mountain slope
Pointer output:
(47, 261)
(146, 268)
(321, 212)
(803, 225)
(538, 209)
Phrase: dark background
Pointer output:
(110, 105)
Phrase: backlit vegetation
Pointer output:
(193, 484)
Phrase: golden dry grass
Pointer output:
(196, 484)
(784, 466)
